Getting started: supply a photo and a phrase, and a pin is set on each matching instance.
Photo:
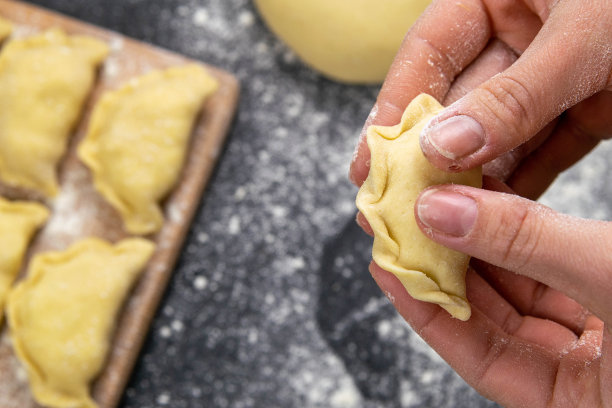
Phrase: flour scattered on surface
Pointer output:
(116, 44)
(22, 31)
(200, 17)
(347, 396)
(163, 398)
(295, 263)
(384, 328)
(200, 283)
(233, 227)
(279, 212)
(240, 193)
(202, 237)
(177, 325)
(73, 216)
(176, 213)
(246, 18)
(408, 396)
(165, 332)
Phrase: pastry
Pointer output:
(63, 314)
(348, 40)
(44, 80)
(398, 173)
(137, 140)
(19, 221)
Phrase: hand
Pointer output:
(540, 329)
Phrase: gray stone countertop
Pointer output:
(271, 303)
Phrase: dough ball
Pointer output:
(347, 40)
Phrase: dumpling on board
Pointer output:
(62, 316)
(5, 28)
(398, 173)
(44, 81)
(19, 220)
(137, 141)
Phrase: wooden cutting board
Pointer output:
(78, 211)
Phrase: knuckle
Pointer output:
(517, 237)
(510, 102)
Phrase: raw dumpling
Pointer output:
(137, 140)
(18, 222)
(63, 314)
(398, 173)
(5, 28)
(44, 80)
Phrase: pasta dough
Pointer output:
(347, 40)
(18, 222)
(63, 314)
(137, 140)
(398, 173)
(5, 28)
(44, 80)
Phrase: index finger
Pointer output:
(446, 39)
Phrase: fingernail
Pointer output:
(455, 137)
(447, 212)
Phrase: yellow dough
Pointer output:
(44, 80)
(137, 140)
(19, 221)
(398, 173)
(63, 314)
(5, 28)
(348, 40)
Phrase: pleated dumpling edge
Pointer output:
(398, 173)
(45, 80)
(63, 314)
(138, 137)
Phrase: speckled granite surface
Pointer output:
(271, 304)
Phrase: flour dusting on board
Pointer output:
(70, 213)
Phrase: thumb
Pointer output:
(568, 61)
(569, 254)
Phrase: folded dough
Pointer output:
(137, 140)
(398, 173)
(63, 314)
(19, 221)
(5, 28)
(44, 80)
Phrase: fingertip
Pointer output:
(446, 211)
(360, 165)
(364, 224)
(449, 139)
(387, 282)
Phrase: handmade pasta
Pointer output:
(138, 138)
(63, 314)
(44, 80)
(398, 173)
